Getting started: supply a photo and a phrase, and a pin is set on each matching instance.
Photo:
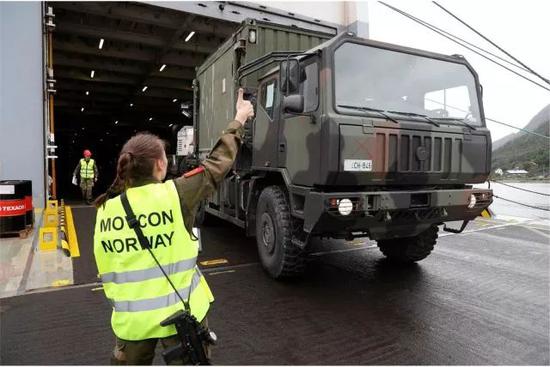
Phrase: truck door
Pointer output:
(266, 124)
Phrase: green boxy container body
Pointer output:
(216, 76)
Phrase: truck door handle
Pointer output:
(282, 147)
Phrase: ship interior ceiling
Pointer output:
(121, 68)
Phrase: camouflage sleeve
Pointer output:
(197, 187)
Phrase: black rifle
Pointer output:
(192, 334)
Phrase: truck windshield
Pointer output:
(395, 81)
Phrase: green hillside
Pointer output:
(526, 151)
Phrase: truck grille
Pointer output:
(417, 153)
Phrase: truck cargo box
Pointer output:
(215, 85)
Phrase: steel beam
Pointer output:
(237, 12)
(199, 46)
(146, 14)
(107, 64)
(178, 58)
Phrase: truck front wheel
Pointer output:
(409, 249)
(279, 257)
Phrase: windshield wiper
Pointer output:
(369, 109)
(457, 119)
(426, 118)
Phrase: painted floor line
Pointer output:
(537, 231)
(222, 272)
(342, 250)
(441, 235)
(479, 229)
(225, 268)
(57, 289)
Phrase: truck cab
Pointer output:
(356, 138)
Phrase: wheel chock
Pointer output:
(487, 213)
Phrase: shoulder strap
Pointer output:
(144, 242)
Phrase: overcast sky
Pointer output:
(520, 27)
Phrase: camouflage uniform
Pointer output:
(191, 190)
(86, 184)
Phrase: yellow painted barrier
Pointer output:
(51, 214)
(64, 244)
(52, 206)
(47, 240)
(51, 219)
(71, 233)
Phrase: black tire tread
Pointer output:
(410, 249)
(293, 261)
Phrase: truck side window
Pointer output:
(310, 87)
(268, 97)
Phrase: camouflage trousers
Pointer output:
(142, 352)
(86, 185)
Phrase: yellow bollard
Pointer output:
(47, 239)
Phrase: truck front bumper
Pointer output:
(389, 214)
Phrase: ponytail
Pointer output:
(120, 183)
(135, 162)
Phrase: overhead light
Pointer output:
(92, 74)
(175, 100)
(82, 109)
(186, 114)
(144, 89)
(101, 43)
(131, 105)
(87, 93)
(116, 122)
(189, 36)
(162, 67)
(170, 125)
(150, 119)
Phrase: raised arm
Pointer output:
(198, 184)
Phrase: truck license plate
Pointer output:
(357, 165)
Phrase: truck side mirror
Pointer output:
(293, 103)
(290, 76)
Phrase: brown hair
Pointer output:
(135, 163)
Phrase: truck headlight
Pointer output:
(345, 207)
(472, 202)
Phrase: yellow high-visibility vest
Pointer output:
(139, 293)
(87, 168)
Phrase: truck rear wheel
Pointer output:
(409, 249)
(279, 257)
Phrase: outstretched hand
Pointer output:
(245, 110)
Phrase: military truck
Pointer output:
(351, 138)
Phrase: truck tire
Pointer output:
(409, 249)
(279, 257)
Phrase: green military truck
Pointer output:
(351, 138)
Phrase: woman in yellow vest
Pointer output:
(139, 293)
